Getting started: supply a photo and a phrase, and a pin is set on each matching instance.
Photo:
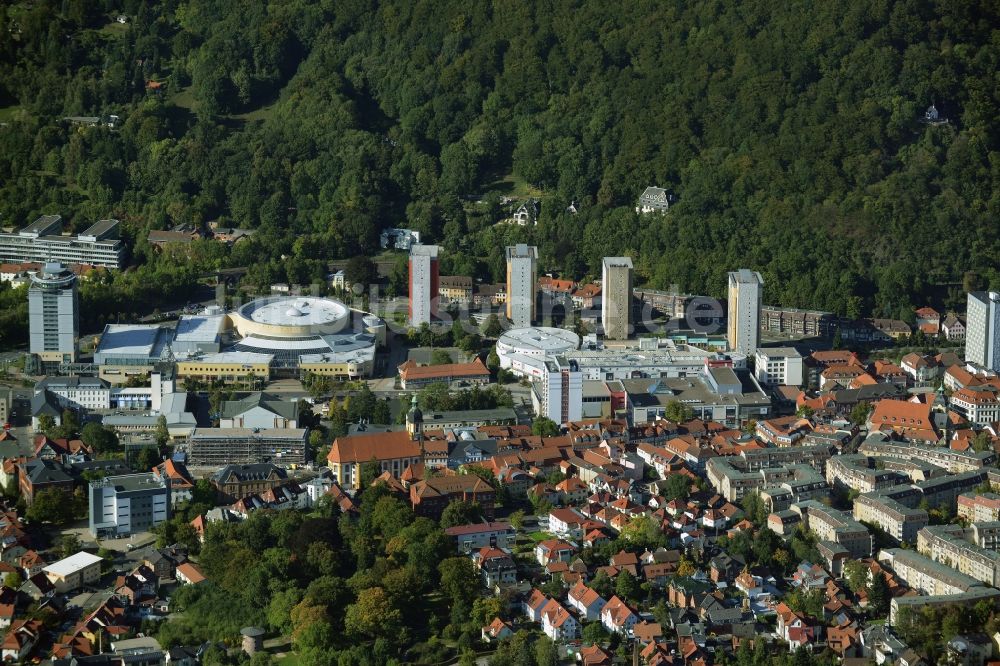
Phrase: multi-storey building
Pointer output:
(807, 323)
(42, 242)
(982, 329)
(779, 366)
(744, 311)
(455, 289)
(978, 404)
(893, 510)
(88, 393)
(234, 482)
(53, 314)
(879, 446)
(225, 446)
(979, 507)
(423, 301)
(858, 472)
(949, 545)
(616, 297)
(558, 395)
(733, 478)
(522, 284)
(924, 574)
(123, 505)
(837, 526)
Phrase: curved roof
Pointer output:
(294, 311)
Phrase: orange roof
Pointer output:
(191, 572)
(409, 371)
(583, 594)
(553, 284)
(379, 445)
(901, 414)
(587, 291)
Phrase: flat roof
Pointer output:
(101, 228)
(546, 339)
(618, 262)
(418, 250)
(522, 251)
(268, 433)
(199, 328)
(72, 564)
(129, 339)
(230, 357)
(131, 482)
(746, 276)
(787, 352)
(497, 414)
(295, 311)
(45, 224)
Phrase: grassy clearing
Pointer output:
(183, 98)
(7, 113)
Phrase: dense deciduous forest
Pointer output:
(790, 133)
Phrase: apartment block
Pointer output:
(982, 329)
(745, 293)
(837, 526)
(616, 297)
(783, 485)
(891, 511)
(858, 472)
(949, 545)
(924, 574)
(54, 314)
(879, 446)
(522, 284)
(424, 288)
(976, 508)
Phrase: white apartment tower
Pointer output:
(53, 314)
(559, 393)
(982, 329)
(423, 284)
(744, 311)
(616, 297)
(522, 283)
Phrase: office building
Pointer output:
(223, 446)
(42, 241)
(779, 366)
(54, 314)
(522, 281)
(126, 504)
(744, 311)
(982, 329)
(616, 297)
(424, 287)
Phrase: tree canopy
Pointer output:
(792, 138)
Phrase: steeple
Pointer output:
(415, 420)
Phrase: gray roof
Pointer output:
(255, 472)
(288, 409)
(71, 382)
(44, 471)
(45, 403)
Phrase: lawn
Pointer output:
(289, 659)
(540, 536)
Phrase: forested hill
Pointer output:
(791, 134)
